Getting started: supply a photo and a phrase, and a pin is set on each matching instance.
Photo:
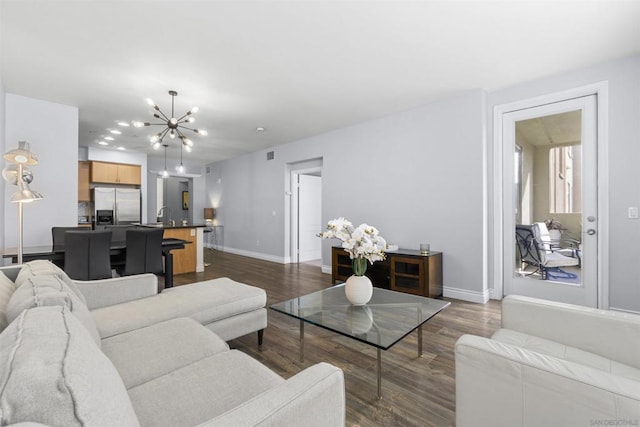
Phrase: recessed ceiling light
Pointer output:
(125, 124)
(260, 129)
(109, 138)
(121, 148)
(115, 131)
(103, 143)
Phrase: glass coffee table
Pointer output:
(382, 322)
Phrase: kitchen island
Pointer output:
(191, 258)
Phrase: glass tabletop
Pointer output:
(382, 322)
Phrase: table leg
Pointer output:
(301, 341)
(168, 270)
(379, 374)
(420, 341)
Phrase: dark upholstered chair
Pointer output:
(144, 251)
(57, 237)
(86, 254)
(118, 234)
(57, 233)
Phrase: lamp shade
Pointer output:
(22, 154)
(209, 213)
(10, 174)
(24, 194)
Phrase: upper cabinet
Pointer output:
(115, 173)
(84, 187)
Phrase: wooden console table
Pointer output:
(404, 270)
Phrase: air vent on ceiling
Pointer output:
(270, 155)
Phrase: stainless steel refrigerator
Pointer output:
(126, 203)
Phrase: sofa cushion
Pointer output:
(52, 373)
(41, 267)
(207, 388)
(204, 302)
(7, 288)
(43, 291)
(148, 353)
(565, 352)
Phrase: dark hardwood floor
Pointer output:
(416, 391)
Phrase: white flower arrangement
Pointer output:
(362, 243)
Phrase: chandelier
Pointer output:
(173, 126)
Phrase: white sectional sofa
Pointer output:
(115, 352)
(551, 364)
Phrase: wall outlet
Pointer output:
(193, 232)
(633, 212)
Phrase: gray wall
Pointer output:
(417, 176)
(623, 189)
(52, 131)
(197, 191)
(2, 150)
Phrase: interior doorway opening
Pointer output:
(305, 218)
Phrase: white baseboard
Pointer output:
(257, 255)
(326, 269)
(466, 295)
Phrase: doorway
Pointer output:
(306, 215)
(550, 204)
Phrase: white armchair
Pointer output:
(551, 364)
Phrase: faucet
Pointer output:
(164, 213)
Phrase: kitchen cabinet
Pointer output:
(115, 173)
(84, 184)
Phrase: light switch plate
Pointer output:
(633, 212)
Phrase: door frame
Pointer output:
(295, 240)
(601, 91)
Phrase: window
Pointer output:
(564, 179)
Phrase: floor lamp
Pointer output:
(17, 173)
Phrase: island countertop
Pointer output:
(168, 226)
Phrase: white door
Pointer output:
(309, 217)
(550, 170)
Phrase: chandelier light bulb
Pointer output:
(172, 134)
(191, 119)
(157, 145)
(201, 132)
(187, 149)
(150, 102)
(164, 174)
(154, 138)
(137, 124)
(180, 168)
(188, 142)
(194, 110)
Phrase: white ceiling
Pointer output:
(295, 68)
(555, 129)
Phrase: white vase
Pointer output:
(358, 290)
